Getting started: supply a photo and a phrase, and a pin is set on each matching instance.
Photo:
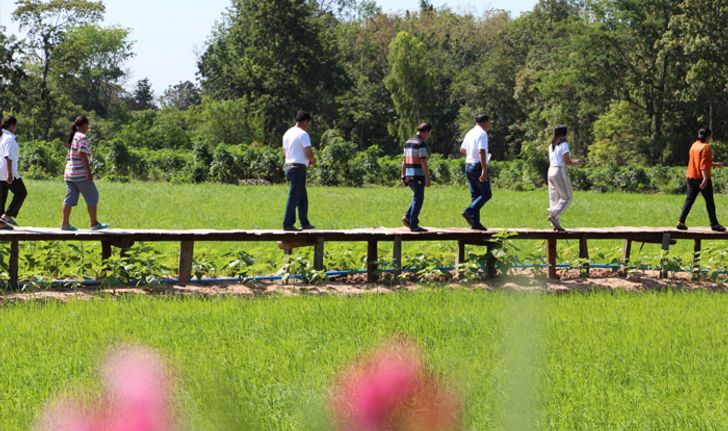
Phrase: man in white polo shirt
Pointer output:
(475, 149)
(299, 156)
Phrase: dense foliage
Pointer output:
(633, 79)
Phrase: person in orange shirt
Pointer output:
(699, 181)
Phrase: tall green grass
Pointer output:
(576, 362)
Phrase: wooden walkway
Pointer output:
(125, 238)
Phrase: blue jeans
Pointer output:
(480, 192)
(297, 198)
(417, 184)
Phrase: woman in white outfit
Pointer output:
(560, 192)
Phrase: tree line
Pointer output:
(633, 79)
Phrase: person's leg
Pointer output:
(475, 195)
(4, 188)
(303, 201)
(19, 194)
(91, 196)
(707, 193)
(411, 207)
(485, 194)
(693, 191)
(553, 191)
(70, 201)
(418, 199)
(563, 186)
(289, 218)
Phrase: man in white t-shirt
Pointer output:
(299, 156)
(475, 150)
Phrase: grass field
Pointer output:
(172, 206)
(576, 362)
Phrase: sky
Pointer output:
(168, 35)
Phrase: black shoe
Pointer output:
(308, 227)
(682, 226)
(718, 228)
(469, 218)
(418, 229)
(479, 226)
(291, 229)
(406, 222)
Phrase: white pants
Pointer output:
(560, 192)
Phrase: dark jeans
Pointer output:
(480, 192)
(693, 191)
(297, 197)
(19, 194)
(417, 184)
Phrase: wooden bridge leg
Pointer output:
(664, 273)
(185, 261)
(551, 257)
(372, 258)
(626, 254)
(460, 258)
(318, 255)
(105, 250)
(397, 253)
(696, 257)
(13, 264)
(584, 257)
(490, 269)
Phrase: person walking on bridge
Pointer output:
(475, 150)
(10, 180)
(299, 156)
(560, 191)
(416, 175)
(699, 179)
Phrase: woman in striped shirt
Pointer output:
(78, 177)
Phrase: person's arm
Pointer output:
(9, 165)
(308, 151)
(87, 166)
(706, 162)
(426, 170)
(568, 161)
(483, 156)
(402, 169)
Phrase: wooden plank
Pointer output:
(551, 257)
(626, 255)
(666, 241)
(697, 251)
(460, 257)
(397, 253)
(13, 264)
(584, 257)
(372, 258)
(186, 253)
(318, 255)
(105, 250)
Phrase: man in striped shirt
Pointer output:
(416, 175)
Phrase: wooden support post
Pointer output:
(551, 257)
(105, 250)
(460, 258)
(318, 254)
(626, 254)
(490, 269)
(697, 248)
(372, 258)
(13, 264)
(186, 253)
(664, 273)
(397, 253)
(584, 257)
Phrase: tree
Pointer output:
(12, 76)
(410, 82)
(46, 23)
(143, 95)
(181, 96)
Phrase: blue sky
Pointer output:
(168, 34)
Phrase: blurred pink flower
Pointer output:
(137, 396)
(390, 389)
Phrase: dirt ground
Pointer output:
(521, 281)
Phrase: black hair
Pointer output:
(8, 122)
(424, 127)
(302, 117)
(481, 118)
(77, 123)
(704, 134)
(560, 133)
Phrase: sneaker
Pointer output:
(100, 226)
(406, 222)
(5, 226)
(479, 226)
(9, 220)
(418, 229)
(682, 226)
(469, 218)
(69, 228)
(291, 229)
(308, 227)
(717, 228)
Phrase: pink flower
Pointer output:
(391, 389)
(137, 396)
